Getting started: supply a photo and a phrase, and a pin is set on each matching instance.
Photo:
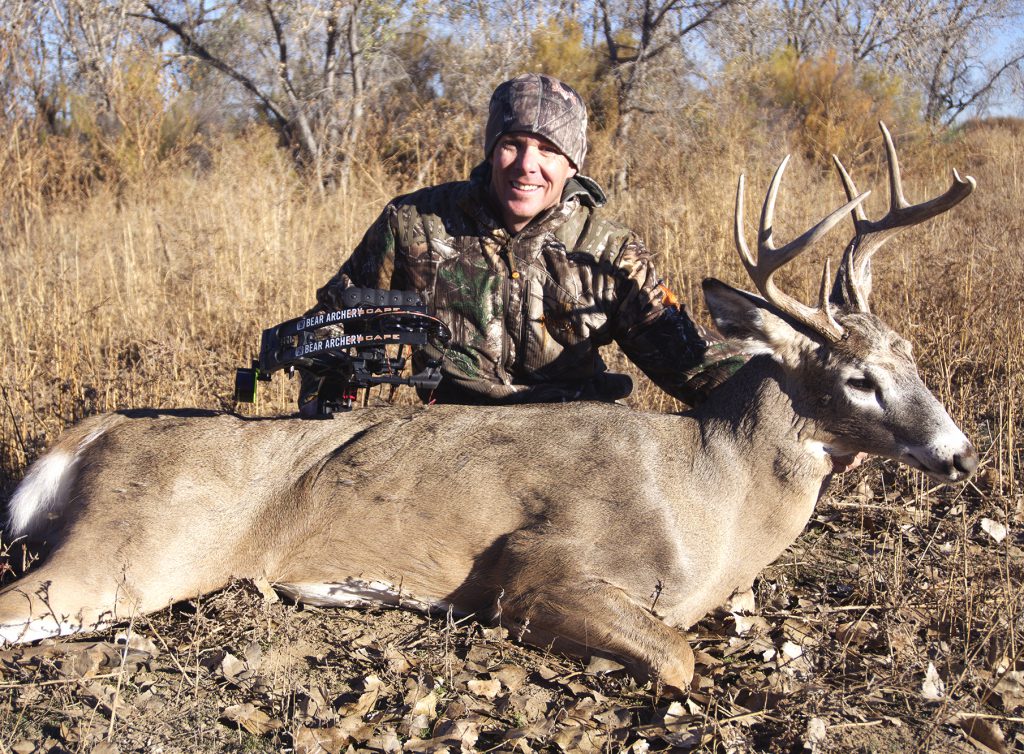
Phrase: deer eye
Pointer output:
(864, 384)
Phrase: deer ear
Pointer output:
(744, 316)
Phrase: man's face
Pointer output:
(527, 176)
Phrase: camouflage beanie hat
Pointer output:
(542, 105)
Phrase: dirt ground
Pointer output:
(890, 626)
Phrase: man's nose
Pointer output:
(527, 159)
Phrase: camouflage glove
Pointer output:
(720, 362)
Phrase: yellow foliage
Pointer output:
(834, 104)
(143, 125)
(122, 139)
(559, 49)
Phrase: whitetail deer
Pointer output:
(595, 526)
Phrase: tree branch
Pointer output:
(197, 49)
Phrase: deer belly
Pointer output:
(355, 592)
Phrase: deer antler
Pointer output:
(853, 282)
(769, 259)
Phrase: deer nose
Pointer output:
(967, 461)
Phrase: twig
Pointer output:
(167, 648)
(983, 716)
(865, 724)
(55, 682)
(120, 679)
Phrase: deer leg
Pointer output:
(587, 617)
(51, 602)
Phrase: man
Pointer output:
(523, 266)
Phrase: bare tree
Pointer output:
(303, 64)
(54, 47)
(640, 36)
(959, 70)
(942, 48)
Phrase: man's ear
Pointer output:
(744, 316)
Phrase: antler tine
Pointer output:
(851, 189)
(896, 198)
(770, 258)
(854, 283)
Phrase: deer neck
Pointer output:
(758, 417)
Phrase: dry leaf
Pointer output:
(488, 689)
(312, 705)
(614, 719)
(579, 740)
(984, 734)
(512, 677)
(266, 590)
(254, 720)
(460, 733)
(758, 701)
(752, 624)
(233, 669)
(678, 718)
(399, 663)
(799, 632)
(1011, 689)
(933, 687)
(426, 706)
(855, 633)
(702, 658)
(479, 657)
(531, 705)
(791, 650)
(994, 529)
(815, 735)
(426, 746)
(546, 673)
(319, 740)
(253, 656)
(602, 665)
(386, 741)
(367, 701)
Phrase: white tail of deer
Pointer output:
(591, 525)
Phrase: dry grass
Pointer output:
(151, 296)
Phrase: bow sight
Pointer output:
(352, 354)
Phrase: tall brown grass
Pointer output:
(151, 295)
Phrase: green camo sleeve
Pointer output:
(371, 265)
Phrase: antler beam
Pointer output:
(769, 259)
(853, 283)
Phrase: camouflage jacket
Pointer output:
(528, 311)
